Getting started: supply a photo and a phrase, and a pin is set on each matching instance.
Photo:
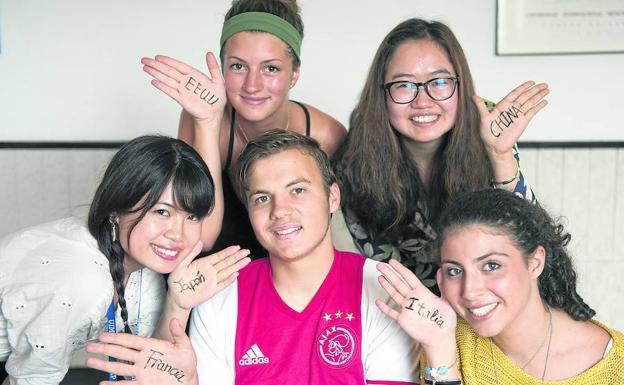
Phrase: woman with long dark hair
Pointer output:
(64, 282)
(509, 312)
(419, 137)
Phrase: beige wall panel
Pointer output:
(601, 202)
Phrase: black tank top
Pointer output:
(236, 228)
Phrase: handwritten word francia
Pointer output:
(159, 364)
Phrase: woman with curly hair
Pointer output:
(508, 276)
(418, 137)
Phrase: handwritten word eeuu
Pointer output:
(204, 93)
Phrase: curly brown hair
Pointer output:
(529, 226)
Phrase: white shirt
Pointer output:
(55, 288)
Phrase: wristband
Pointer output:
(445, 382)
(434, 373)
(508, 181)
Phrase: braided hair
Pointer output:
(529, 226)
(133, 182)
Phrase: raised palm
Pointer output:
(424, 316)
(502, 126)
(196, 280)
(201, 95)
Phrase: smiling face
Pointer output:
(289, 205)
(486, 279)
(424, 120)
(160, 240)
(258, 72)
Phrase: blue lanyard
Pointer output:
(111, 324)
(111, 328)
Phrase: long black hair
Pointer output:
(134, 181)
(529, 226)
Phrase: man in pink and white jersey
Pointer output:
(307, 313)
(304, 315)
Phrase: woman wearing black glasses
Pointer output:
(418, 137)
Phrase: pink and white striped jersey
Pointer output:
(248, 335)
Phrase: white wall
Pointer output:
(69, 69)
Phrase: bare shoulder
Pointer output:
(326, 130)
(585, 338)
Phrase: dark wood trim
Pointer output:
(61, 145)
(115, 145)
(571, 144)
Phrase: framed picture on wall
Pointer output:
(537, 27)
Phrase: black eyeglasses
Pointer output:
(403, 92)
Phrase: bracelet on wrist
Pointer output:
(435, 373)
(496, 183)
(443, 382)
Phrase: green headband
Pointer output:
(262, 21)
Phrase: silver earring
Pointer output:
(113, 223)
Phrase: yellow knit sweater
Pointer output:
(475, 363)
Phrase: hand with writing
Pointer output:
(424, 316)
(196, 280)
(149, 360)
(502, 126)
(201, 95)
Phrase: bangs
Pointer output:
(192, 190)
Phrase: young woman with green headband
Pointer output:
(260, 57)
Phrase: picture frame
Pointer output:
(544, 27)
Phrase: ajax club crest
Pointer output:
(336, 346)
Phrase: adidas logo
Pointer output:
(253, 356)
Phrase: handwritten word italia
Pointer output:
(422, 310)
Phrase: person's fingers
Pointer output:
(397, 297)
(169, 91)
(124, 339)
(516, 92)
(387, 310)
(181, 67)
(219, 256)
(393, 278)
(222, 284)
(530, 93)
(119, 352)
(535, 109)
(177, 333)
(407, 275)
(233, 263)
(535, 98)
(162, 68)
(161, 77)
(481, 107)
(118, 368)
(213, 66)
(188, 259)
